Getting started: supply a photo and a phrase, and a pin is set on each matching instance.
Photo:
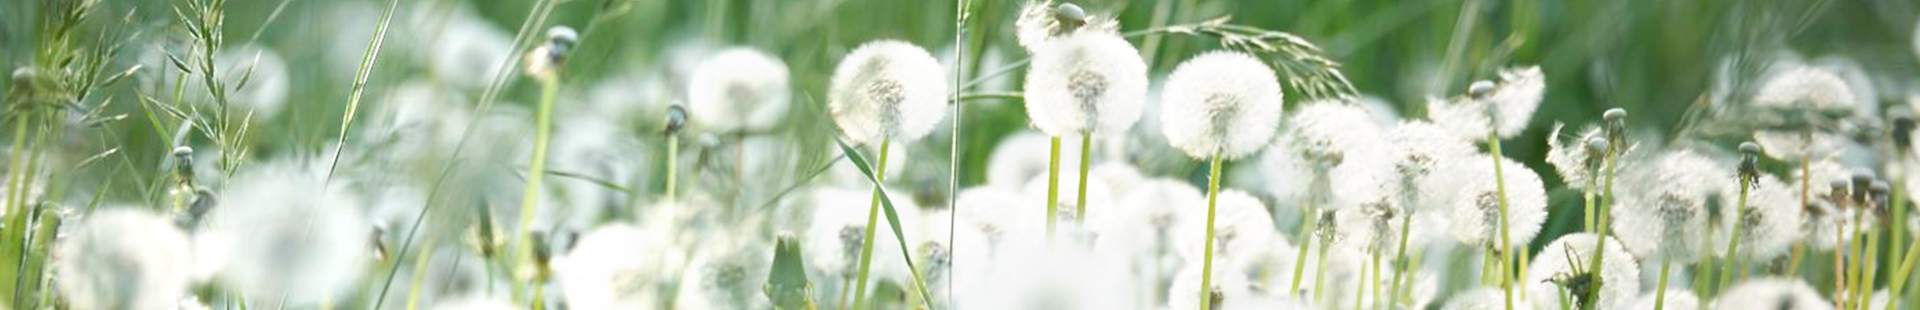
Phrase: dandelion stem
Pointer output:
(673, 165)
(1903, 273)
(1053, 185)
(1733, 236)
(1660, 292)
(1506, 242)
(1206, 265)
(530, 197)
(1086, 160)
(1400, 253)
(1600, 246)
(1306, 243)
(873, 217)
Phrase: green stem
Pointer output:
(873, 217)
(1206, 265)
(1733, 236)
(1864, 288)
(673, 165)
(1506, 242)
(419, 273)
(1086, 161)
(1903, 273)
(1400, 252)
(530, 197)
(1853, 260)
(1306, 243)
(1660, 291)
(1604, 221)
(1053, 185)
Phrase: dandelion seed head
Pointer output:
(1331, 131)
(1676, 299)
(1420, 147)
(1369, 228)
(1504, 108)
(1771, 293)
(1483, 298)
(837, 230)
(996, 210)
(1770, 224)
(1574, 156)
(1141, 219)
(1041, 21)
(1241, 227)
(1229, 288)
(1467, 193)
(1041, 275)
(1568, 258)
(1086, 82)
(290, 234)
(887, 90)
(1807, 87)
(265, 77)
(615, 266)
(122, 258)
(1668, 217)
(726, 273)
(1224, 104)
(467, 52)
(739, 89)
(1021, 156)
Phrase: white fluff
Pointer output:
(1505, 111)
(887, 90)
(1086, 82)
(1466, 192)
(1771, 293)
(1037, 25)
(122, 258)
(1667, 216)
(739, 89)
(1224, 104)
(1620, 277)
(613, 266)
(290, 235)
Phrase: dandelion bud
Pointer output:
(1070, 15)
(183, 153)
(1597, 145)
(24, 76)
(887, 89)
(545, 60)
(562, 38)
(1749, 149)
(676, 119)
(1086, 82)
(1224, 104)
(1903, 126)
(1043, 21)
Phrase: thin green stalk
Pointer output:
(367, 61)
(673, 165)
(1053, 185)
(1733, 237)
(1702, 272)
(1506, 242)
(1086, 161)
(1903, 273)
(419, 274)
(1844, 295)
(873, 217)
(1405, 294)
(530, 197)
(1306, 243)
(1600, 248)
(1360, 290)
(1660, 291)
(1864, 287)
(1206, 265)
(1400, 252)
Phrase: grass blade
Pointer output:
(893, 219)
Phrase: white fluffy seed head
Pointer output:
(1676, 299)
(1086, 82)
(739, 89)
(122, 258)
(1467, 193)
(613, 266)
(1418, 148)
(1771, 293)
(290, 235)
(887, 90)
(1566, 262)
(1677, 196)
(1572, 158)
(1330, 132)
(1241, 228)
(1224, 104)
(1769, 225)
(1806, 87)
(1504, 109)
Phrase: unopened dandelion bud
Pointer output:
(676, 119)
(1749, 149)
(562, 38)
(1903, 126)
(545, 60)
(1597, 145)
(1071, 16)
(1615, 115)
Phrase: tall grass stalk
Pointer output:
(873, 217)
(1310, 215)
(530, 197)
(360, 76)
(1206, 264)
(1086, 162)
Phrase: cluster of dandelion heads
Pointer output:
(288, 234)
(887, 90)
(1041, 21)
(1577, 156)
(1673, 203)
(1563, 266)
(1340, 142)
(1241, 228)
(1224, 104)
(1086, 82)
(123, 258)
(739, 89)
(1468, 197)
(1771, 293)
(1504, 107)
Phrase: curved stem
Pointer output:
(1206, 265)
(530, 197)
(1086, 160)
(873, 217)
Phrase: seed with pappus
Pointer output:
(887, 90)
(1224, 104)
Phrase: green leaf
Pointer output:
(893, 219)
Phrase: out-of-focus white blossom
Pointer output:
(1771, 293)
(122, 258)
(1468, 195)
(1567, 261)
(739, 89)
(1223, 104)
(290, 235)
(1505, 109)
(887, 90)
(1086, 83)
